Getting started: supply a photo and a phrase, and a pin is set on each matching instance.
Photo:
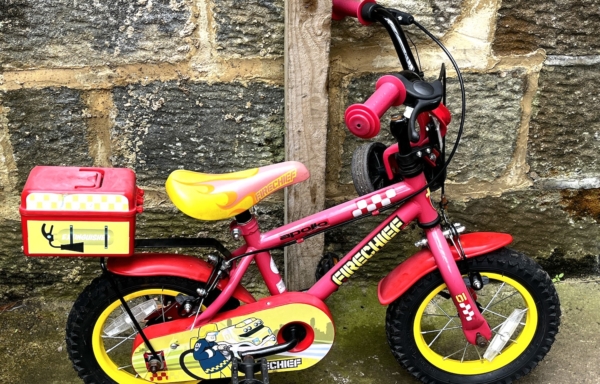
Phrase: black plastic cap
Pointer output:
(367, 11)
(404, 18)
(243, 217)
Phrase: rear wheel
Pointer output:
(99, 332)
(426, 335)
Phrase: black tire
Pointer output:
(409, 316)
(90, 307)
(368, 170)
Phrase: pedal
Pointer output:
(249, 367)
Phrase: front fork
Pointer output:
(475, 327)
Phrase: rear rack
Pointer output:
(184, 242)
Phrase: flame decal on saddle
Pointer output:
(373, 246)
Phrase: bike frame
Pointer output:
(417, 207)
(410, 198)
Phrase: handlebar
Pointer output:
(367, 12)
(354, 8)
(363, 119)
(351, 8)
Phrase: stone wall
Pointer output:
(158, 85)
(153, 85)
(527, 163)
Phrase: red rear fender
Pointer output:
(421, 263)
(162, 264)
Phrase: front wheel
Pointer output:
(99, 333)
(425, 332)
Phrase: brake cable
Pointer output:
(475, 280)
(463, 110)
(430, 183)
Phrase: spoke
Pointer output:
(505, 317)
(437, 314)
(125, 366)
(498, 302)
(464, 352)
(454, 353)
(441, 309)
(439, 330)
(162, 307)
(128, 338)
(497, 314)
(115, 337)
(497, 326)
(496, 294)
(477, 350)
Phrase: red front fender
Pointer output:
(164, 264)
(421, 263)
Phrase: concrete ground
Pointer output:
(32, 347)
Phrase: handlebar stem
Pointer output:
(375, 12)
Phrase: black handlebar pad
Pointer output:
(422, 96)
(367, 14)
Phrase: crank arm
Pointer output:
(268, 351)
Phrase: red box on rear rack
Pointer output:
(73, 211)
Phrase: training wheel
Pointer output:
(368, 169)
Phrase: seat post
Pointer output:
(243, 218)
(247, 224)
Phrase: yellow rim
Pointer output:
(102, 357)
(512, 350)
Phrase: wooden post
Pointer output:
(307, 40)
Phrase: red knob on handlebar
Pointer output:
(352, 8)
(363, 119)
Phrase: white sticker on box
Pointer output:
(77, 202)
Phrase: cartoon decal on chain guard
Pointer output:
(207, 350)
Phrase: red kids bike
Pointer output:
(463, 309)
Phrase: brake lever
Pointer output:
(421, 96)
(422, 106)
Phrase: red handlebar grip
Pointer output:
(363, 119)
(352, 8)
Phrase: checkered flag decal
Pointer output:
(374, 203)
(159, 376)
(467, 311)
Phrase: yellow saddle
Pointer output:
(207, 196)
